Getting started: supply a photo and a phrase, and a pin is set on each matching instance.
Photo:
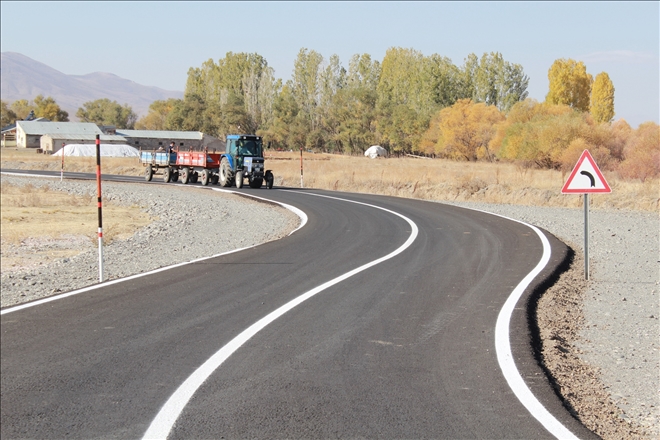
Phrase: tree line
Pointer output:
(101, 111)
(407, 103)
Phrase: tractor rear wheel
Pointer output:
(226, 174)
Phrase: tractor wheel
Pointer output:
(167, 174)
(239, 179)
(256, 183)
(185, 175)
(226, 174)
(205, 177)
(269, 180)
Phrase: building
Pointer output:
(184, 140)
(48, 137)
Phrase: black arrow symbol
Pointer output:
(588, 174)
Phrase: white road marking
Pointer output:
(167, 416)
(503, 346)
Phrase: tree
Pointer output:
(106, 112)
(602, 98)
(22, 108)
(642, 153)
(48, 108)
(497, 82)
(7, 115)
(156, 118)
(466, 129)
(570, 84)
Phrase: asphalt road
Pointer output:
(402, 349)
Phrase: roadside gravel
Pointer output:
(613, 348)
(190, 223)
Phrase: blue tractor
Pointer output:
(244, 159)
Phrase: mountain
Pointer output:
(24, 78)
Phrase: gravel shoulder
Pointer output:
(600, 338)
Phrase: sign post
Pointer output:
(586, 179)
(301, 168)
(99, 205)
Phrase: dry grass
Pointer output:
(428, 179)
(44, 224)
(436, 179)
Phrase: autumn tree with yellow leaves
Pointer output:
(464, 130)
(570, 84)
(602, 98)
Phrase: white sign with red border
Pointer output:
(586, 178)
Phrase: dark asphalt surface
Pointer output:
(404, 349)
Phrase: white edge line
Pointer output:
(166, 418)
(298, 212)
(503, 344)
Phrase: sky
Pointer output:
(155, 43)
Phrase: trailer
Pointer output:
(158, 162)
(190, 166)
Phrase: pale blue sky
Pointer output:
(155, 43)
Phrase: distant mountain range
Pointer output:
(24, 78)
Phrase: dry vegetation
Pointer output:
(46, 224)
(428, 179)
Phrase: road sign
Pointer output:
(586, 178)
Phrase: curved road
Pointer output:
(403, 349)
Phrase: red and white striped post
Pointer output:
(100, 205)
(301, 168)
(62, 171)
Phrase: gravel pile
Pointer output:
(619, 337)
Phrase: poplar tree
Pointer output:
(570, 84)
(602, 99)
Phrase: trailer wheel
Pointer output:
(239, 179)
(148, 173)
(194, 176)
(214, 179)
(167, 174)
(205, 177)
(185, 175)
(175, 176)
(226, 174)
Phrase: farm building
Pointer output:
(29, 133)
(152, 139)
(49, 137)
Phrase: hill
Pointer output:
(25, 78)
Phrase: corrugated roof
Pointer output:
(41, 128)
(86, 137)
(161, 134)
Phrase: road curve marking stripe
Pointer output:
(503, 345)
(298, 212)
(164, 421)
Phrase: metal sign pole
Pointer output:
(586, 236)
(301, 169)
